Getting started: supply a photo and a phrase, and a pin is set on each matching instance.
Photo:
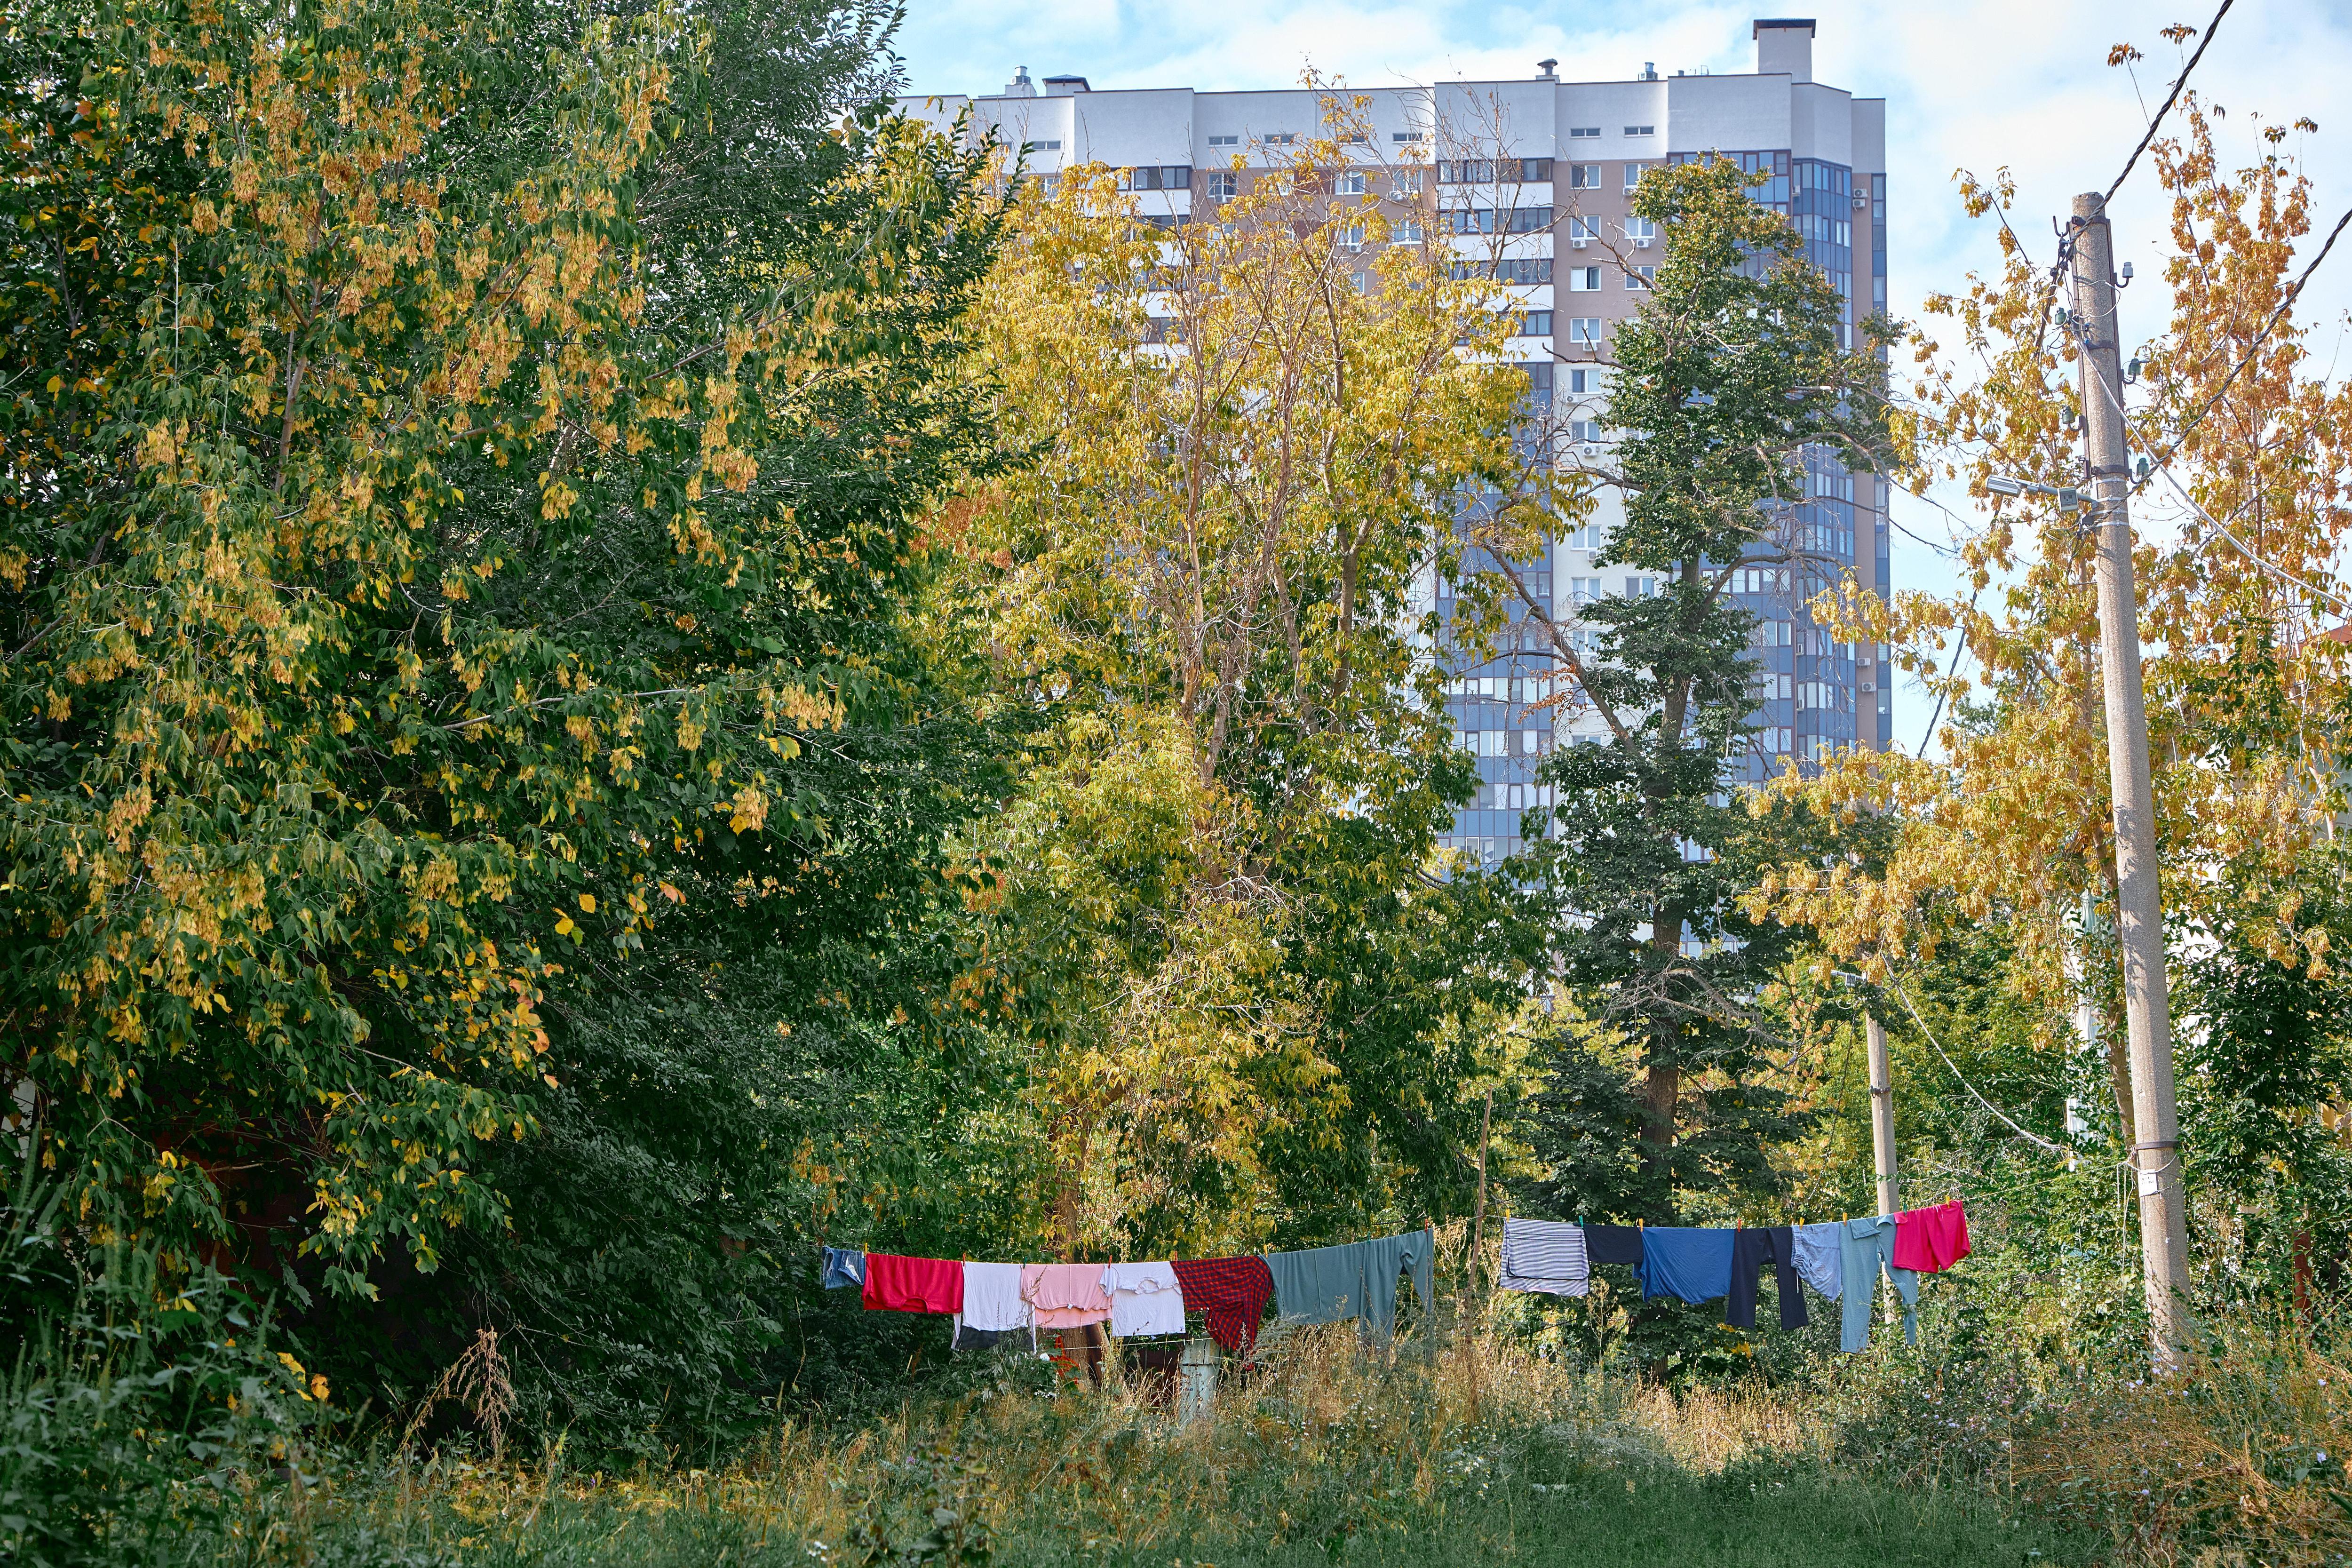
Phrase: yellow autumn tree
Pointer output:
(1249, 434)
(2248, 443)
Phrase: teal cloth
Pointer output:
(1320, 1284)
(1384, 1259)
(1865, 1246)
(1330, 1284)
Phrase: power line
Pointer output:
(2170, 99)
(1981, 1100)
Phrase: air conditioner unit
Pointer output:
(1641, 242)
(1579, 242)
(1860, 200)
(1590, 450)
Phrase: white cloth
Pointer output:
(1145, 1299)
(992, 1298)
(1545, 1256)
(1821, 1257)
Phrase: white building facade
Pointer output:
(1534, 177)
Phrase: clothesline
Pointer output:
(1357, 1281)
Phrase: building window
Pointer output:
(1350, 183)
(1403, 135)
(1535, 324)
(1579, 133)
(1491, 220)
(1639, 277)
(1585, 280)
(1584, 429)
(1584, 535)
(1584, 380)
(1641, 231)
(1641, 587)
(1584, 590)
(1406, 231)
(1225, 140)
(1582, 231)
(1157, 177)
(1585, 329)
(1282, 138)
(1221, 185)
(1634, 172)
(1352, 237)
(1584, 176)
(1465, 172)
(1053, 146)
(1405, 184)
(1641, 130)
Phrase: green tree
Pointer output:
(1730, 379)
(461, 484)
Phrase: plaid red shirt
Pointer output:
(1231, 1292)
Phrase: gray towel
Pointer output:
(1545, 1256)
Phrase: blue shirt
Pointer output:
(1690, 1263)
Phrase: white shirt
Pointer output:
(1145, 1299)
(992, 1298)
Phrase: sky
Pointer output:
(1985, 86)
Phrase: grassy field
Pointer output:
(1475, 1456)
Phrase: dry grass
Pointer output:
(2237, 1460)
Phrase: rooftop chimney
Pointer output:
(1546, 67)
(1020, 86)
(1784, 46)
(1649, 70)
(1063, 86)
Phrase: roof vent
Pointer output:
(1649, 70)
(1546, 66)
(1020, 86)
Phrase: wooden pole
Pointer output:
(1882, 1115)
(1478, 1220)
(2139, 913)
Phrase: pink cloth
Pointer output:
(1930, 1240)
(1066, 1295)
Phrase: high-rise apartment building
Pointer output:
(1533, 178)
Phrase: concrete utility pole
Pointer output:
(2139, 917)
(1881, 1114)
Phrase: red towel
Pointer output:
(1231, 1292)
(1930, 1240)
(912, 1284)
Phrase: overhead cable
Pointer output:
(2170, 99)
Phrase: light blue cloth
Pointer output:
(1821, 1257)
(1689, 1262)
(845, 1268)
(1867, 1246)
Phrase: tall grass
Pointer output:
(1473, 1452)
